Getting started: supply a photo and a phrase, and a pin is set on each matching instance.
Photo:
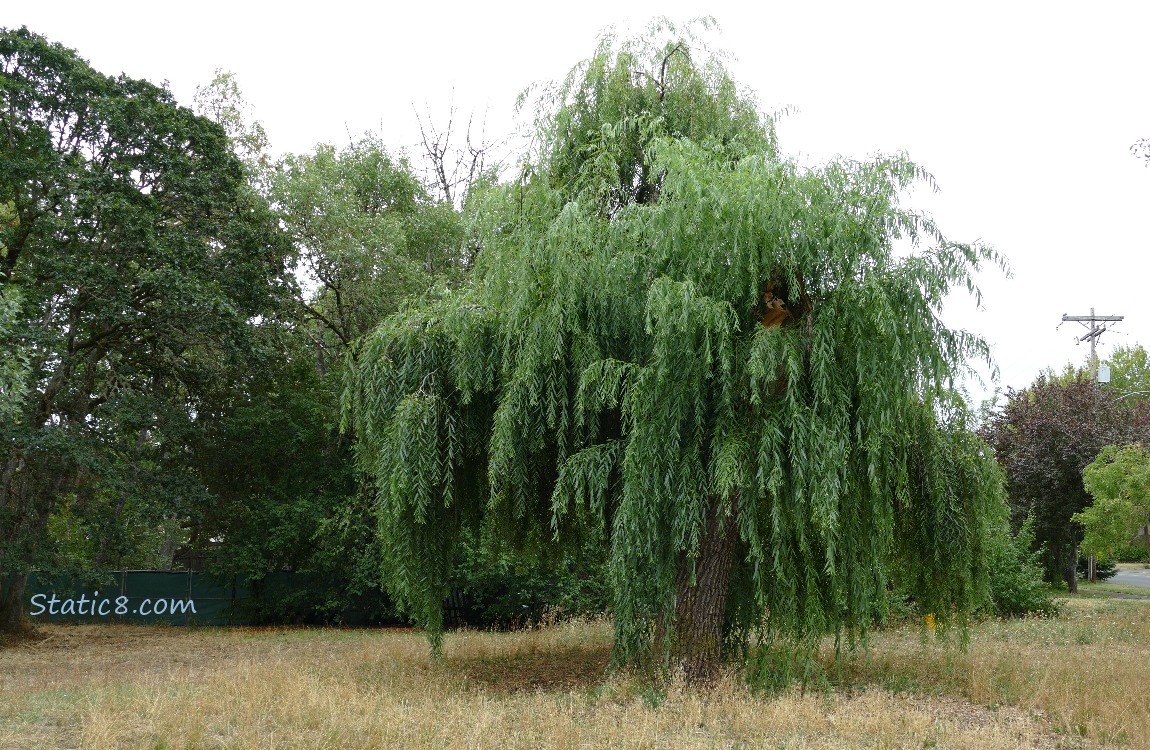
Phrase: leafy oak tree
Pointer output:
(715, 358)
(142, 263)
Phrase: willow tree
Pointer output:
(717, 359)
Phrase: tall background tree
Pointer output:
(366, 236)
(683, 342)
(1044, 437)
(143, 265)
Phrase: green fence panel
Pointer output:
(158, 597)
(184, 598)
(74, 598)
(218, 601)
(143, 596)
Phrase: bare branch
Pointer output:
(452, 169)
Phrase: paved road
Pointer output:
(1138, 577)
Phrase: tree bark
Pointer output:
(12, 602)
(23, 520)
(1072, 570)
(701, 592)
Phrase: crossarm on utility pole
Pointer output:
(1091, 322)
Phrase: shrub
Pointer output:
(1104, 567)
(502, 589)
(316, 598)
(1016, 585)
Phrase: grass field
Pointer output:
(1078, 681)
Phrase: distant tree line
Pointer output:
(1049, 435)
(177, 312)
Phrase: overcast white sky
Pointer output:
(1023, 111)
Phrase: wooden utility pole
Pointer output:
(1091, 321)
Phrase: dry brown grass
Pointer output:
(134, 687)
(1086, 672)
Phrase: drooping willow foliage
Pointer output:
(609, 370)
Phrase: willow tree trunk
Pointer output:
(701, 598)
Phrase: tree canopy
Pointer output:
(141, 264)
(368, 236)
(1119, 482)
(1130, 373)
(722, 361)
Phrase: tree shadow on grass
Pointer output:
(559, 668)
